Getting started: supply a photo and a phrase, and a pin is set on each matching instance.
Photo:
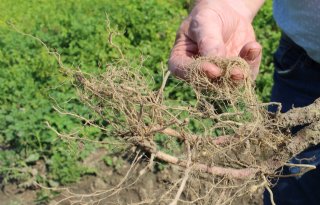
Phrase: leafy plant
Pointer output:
(32, 82)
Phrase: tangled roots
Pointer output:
(224, 139)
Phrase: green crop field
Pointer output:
(31, 82)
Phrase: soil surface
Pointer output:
(107, 187)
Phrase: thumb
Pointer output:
(252, 52)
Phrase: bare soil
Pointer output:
(147, 189)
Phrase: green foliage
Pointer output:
(32, 82)
(44, 196)
(113, 161)
(268, 35)
(63, 166)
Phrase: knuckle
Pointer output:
(199, 19)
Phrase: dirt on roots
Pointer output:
(236, 148)
(223, 147)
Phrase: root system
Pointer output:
(224, 141)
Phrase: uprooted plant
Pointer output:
(236, 148)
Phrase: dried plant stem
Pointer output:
(185, 178)
(301, 116)
(250, 142)
(269, 190)
(164, 81)
(218, 171)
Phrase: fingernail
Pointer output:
(211, 70)
(237, 74)
(253, 54)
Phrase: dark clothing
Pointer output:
(296, 84)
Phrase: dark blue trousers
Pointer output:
(296, 84)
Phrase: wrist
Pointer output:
(253, 6)
(246, 8)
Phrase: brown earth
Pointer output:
(148, 189)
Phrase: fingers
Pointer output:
(202, 35)
(237, 74)
(177, 65)
(191, 41)
(252, 52)
(181, 55)
(212, 71)
(180, 58)
(206, 31)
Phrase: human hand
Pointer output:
(216, 28)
